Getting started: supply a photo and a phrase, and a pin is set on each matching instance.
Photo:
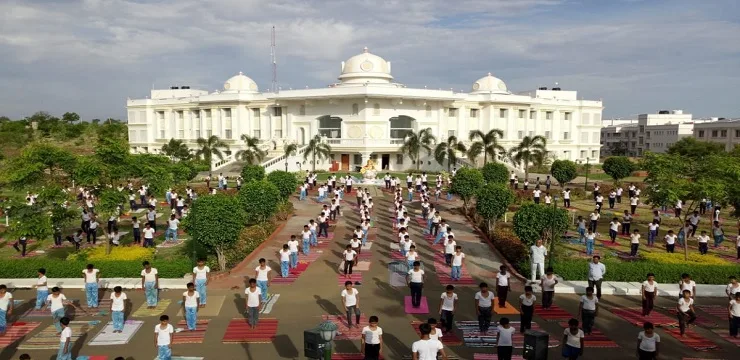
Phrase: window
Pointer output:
(502, 113)
(330, 126)
(227, 134)
(132, 117)
(737, 133)
(227, 128)
(723, 133)
(207, 113)
(532, 114)
(355, 109)
(256, 133)
(278, 134)
(548, 115)
(595, 136)
(547, 135)
(227, 113)
(648, 134)
(277, 111)
(256, 113)
(568, 116)
(473, 113)
(522, 114)
(302, 110)
(583, 154)
(401, 126)
(584, 137)
(376, 109)
(452, 112)
(566, 136)
(594, 154)
(142, 135)
(450, 133)
(714, 133)
(357, 159)
(429, 111)
(520, 134)
(132, 136)
(180, 125)
(597, 119)
(399, 159)
(642, 129)
(530, 134)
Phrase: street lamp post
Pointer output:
(585, 185)
(328, 331)
(552, 231)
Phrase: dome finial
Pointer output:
(489, 74)
(365, 50)
(241, 73)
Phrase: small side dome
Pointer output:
(489, 83)
(240, 82)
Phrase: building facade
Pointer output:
(724, 131)
(366, 115)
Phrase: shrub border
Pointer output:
(506, 262)
(251, 256)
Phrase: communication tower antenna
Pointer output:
(273, 57)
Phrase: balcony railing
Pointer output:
(363, 142)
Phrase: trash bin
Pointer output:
(535, 345)
(313, 344)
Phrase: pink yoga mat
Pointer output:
(422, 309)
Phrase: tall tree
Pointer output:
(252, 154)
(207, 148)
(416, 142)
(447, 151)
(317, 149)
(176, 150)
(486, 144)
(288, 151)
(692, 147)
(70, 118)
(532, 150)
(39, 164)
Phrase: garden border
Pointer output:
(506, 262)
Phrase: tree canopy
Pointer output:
(492, 201)
(691, 147)
(618, 167)
(495, 173)
(466, 183)
(564, 171)
(209, 226)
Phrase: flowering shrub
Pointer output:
(678, 258)
(510, 246)
(117, 253)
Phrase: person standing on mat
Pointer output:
(457, 262)
(284, 256)
(150, 284)
(649, 291)
(91, 275)
(6, 308)
(201, 274)
(415, 281)
(537, 254)
(426, 348)
(685, 311)
(734, 315)
(588, 309)
(293, 246)
(351, 303)
(349, 257)
(65, 340)
(447, 306)
(483, 305)
(687, 284)
(190, 305)
(648, 342)
(118, 308)
(371, 346)
(505, 339)
(547, 283)
(526, 307)
(163, 336)
(449, 250)
(502, 286)
(57, 303)
(254, 303)
(42, 290)
(572, 343)
(596, 272)
(262, 275)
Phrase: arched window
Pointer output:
(376, 109)
(330, 126)
(355, 109)
(401, 126)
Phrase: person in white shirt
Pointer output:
(618, 194)
(526, 307)
(502, 285)
(536, 194)
(426, 348)
(504, 339)
(457, 262)
(687, 284)
(293, 246)
(734, 315)
(371, 342)
(117, 309)
(150, 284)
(262, 275)
(653, 232)
(483, 306)
(703, 240)
(57, 302)
(566, 197)
(649, 291)
(537, 255)
(172, 224)
(190, 305)
(634, 200)
(670, 241)
(42, 291)
(447, 306)
(596, 272)
(201, 276)
(349, 257)
(677, 209)
(572, 343)
(164, 334)
(547, 283)
(613, 229)
(594, 217)
(634, 242)
(284, 256)
(148, 232)
(732, 288)
(588, 310)
(548, 199)
(415, 282)
(685, 311)
(91, 275)
(648, 342)
(351, 303)
(253, 302)
(65, 340)
(6, 308)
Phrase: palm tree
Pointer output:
(486, 144)
(252, 154)
(209, 147)
(532, 150)
(288, 151)
(415, 142)
(317, 149)
(176, 150)
(448, 151)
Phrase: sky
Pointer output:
(638, 56)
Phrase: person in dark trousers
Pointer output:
(588, 310)
(547, 283)
(415, 282)
(648, 342)
(20, 245)
(504, 340)
(447, 305)
(734, 310)
(685, 311)
(502, 286)
(483, 306)
(526, 307)
(649, 290)
(596, 272)
(371, 342)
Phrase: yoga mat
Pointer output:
(143, 311)
(554, 313)
(478, 356)
(212, 309)
(185, 336)
(329, 237)
(692, 339)
(397, 256)
(17, 331)
(349, 356)
(608, 243)
(507, 310)
(397, 280)
(395, 246)
(443, 273)
(48, 339)
(634, 316)
(422, 309)
(32, 312)
(239, 331)
(354, 278)
(267, 305)
(449, 339)
(473, 338)
(700, 320)
(420, 221)
(106, 336)
(368, 245)
(714, 310)
(597, 339)
(103, 308)
(343, 331)
(363, 265)
(725, 334)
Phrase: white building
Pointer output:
(365, 115)
(725, 131)
(619, 140)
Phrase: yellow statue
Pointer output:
(370, 165)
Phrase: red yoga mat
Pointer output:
(554, 313)
(191, 337)
(355, 277)
(343, 331)
(422, 309)
(725, 334)
(239, 331)
(701, 321)
(17, 331)
(449, 339)
(692, 339)
(634, 316)
(443, 273)
(597, 339)
(349, 356)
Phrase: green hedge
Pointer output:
(27, 268)
(636, 271)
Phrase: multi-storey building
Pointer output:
(725, 131)
(366, 115)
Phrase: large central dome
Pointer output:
(366, 68)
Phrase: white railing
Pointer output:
(275, 163)
(363, 142)
(265, 145)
